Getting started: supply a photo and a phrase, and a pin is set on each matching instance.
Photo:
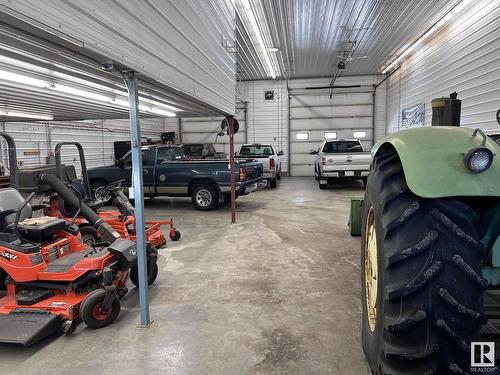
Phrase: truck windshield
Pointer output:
(256, 150)
(342, 146)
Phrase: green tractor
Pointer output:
(430, 246)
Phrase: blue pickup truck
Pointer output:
(167, 171)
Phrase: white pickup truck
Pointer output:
(270, 159)
(341, 159)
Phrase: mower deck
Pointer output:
(26, 327)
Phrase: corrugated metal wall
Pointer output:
(36, 140)
(267, 119)
(177, 43)
(315, 112)
(464, 57)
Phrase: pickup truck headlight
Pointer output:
(478, 159)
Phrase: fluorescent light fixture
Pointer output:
(302, 136)
(426, 35)
(260, 41)
(330, 135)
(272, 49)
(18, 78)
(26, 115)
(78, 92)
(150, 106)
(358, 135)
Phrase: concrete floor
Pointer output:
(276, 293)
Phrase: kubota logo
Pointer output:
(8, 256)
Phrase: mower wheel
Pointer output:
(422, 289)
(68, 327)
(89, 235)
(91, 310)
(175, 235)
(152, 275)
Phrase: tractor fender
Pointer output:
(433, 161)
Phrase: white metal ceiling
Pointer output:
(312, 33)
(176, 47)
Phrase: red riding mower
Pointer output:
(52, 279)
(123, 220)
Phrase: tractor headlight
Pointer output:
(478, 159)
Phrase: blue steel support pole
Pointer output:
(135, 132)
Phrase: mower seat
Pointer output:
(39, 229)
(11, 199)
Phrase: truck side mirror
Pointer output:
(281, 153)
(313, 152)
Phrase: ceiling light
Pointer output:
(256, 31)
(78, 92)
(272, 49)
(26, 115)
(164, 110)
(426, 35)
(18, 78)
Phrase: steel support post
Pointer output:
(135, 132)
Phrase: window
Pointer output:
(193, 150)
(302, 136)
(166, 154)
(330, 135)
(256, 150)
(127, 159)
(359, 134)
(342, 146)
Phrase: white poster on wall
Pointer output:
(413, 117)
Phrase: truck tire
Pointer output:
(422, 290)
(273, 183)
(205, 197)
(321, 186)
(96, 185)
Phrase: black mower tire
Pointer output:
(152, 275)
(211, 195)
(89, 310)
(89, 235)
(273, 183)
(176, 236)
(429, 297)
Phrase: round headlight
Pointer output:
(478, 159)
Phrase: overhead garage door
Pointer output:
(314, 116)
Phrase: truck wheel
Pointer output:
(316, 173)
(322, 185)
(273, 183)
(89, 235)
(91, 310)
(422, 290)
(205, 198)
(364, 180)
(99, 184)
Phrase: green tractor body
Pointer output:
(430, 248)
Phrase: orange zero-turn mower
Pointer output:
(53, 280)
(122, 220)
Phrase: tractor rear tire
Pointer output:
(422, 290)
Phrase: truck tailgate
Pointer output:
(253, 168)
(264, 159)
(347, 161)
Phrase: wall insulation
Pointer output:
(180, 44)
(36, 140)
(464, 57)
